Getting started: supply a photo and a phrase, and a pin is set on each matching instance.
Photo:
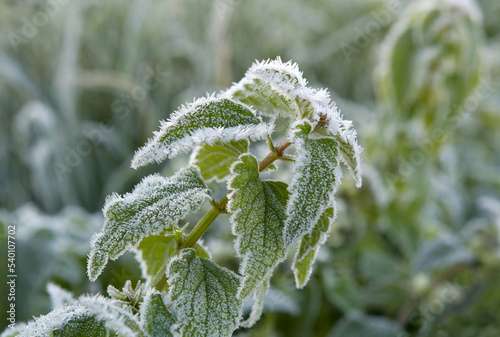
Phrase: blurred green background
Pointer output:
(416, 249)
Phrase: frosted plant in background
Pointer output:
(431, 60)
(267, 216)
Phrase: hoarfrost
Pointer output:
(204, 296)
(150, 209)
(317, 175)
(42, 326)
(59, 297)
(87, 316)
(275, 89)
(156, 320)
(117, 318)
(258, 215)
(309, 248)
(258, 305)
(205, 121)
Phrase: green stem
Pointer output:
(204, 223)
(274, 155)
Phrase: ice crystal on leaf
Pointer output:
(205, 121)
(276, 89)
(59, 297)
(258, 215)
(156, 320)
(258, 304)
(331, 124)
(74, 320)
(309, 247)
(204, 296)
(214, 160)
(154, 204)
(87, 316)
(316, 177)
(350, 153)
(81, 325)
(116, 317)
(267, 216)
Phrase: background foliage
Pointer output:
(418, 244)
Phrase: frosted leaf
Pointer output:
(129, 295)
(204, 296)
(82, 325)
(59, 297)
(258, 304)
(309, 247)
(205, 121)
(155, 250)
(332, 125)
(350, 151)
(156, 320)
(13, 332)
(214, 160)
(258, 215)
(116, 317)
(316, 177)
(65, 320)
(150, 209)
(275, 88)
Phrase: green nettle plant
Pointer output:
(186, 293)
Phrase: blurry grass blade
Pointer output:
(59, 297)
